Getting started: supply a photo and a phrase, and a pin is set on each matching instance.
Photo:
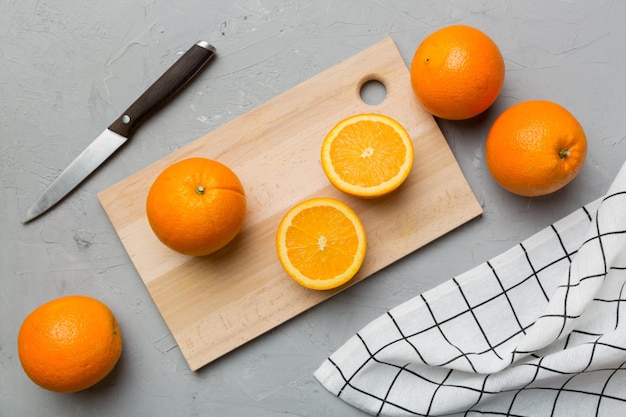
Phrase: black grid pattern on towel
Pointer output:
(448, 346)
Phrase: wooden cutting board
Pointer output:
(216, 303)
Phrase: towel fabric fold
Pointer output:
(539, 330)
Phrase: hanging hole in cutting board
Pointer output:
(373, 92)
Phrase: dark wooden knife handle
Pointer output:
(164, 88)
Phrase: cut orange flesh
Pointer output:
(321, 243)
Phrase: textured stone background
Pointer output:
(68, 69)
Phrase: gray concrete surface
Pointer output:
(68, 69)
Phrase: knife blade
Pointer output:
(118, 133)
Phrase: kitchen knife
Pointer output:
(109, 141)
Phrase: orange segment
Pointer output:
(367, 155)
(321, 243)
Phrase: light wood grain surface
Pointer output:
(216, 303)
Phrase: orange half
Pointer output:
(367, 155)
(321, 243)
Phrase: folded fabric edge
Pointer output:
(330, 375)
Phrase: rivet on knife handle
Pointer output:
(164, 88)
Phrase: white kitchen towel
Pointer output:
(539, 330)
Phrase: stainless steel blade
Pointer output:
(172, 81)
(91, 158)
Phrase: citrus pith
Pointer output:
(367, 155)
(321, 243)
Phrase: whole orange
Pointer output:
(457, 72)
(196, 206)
(69, 344)
(535, 148)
